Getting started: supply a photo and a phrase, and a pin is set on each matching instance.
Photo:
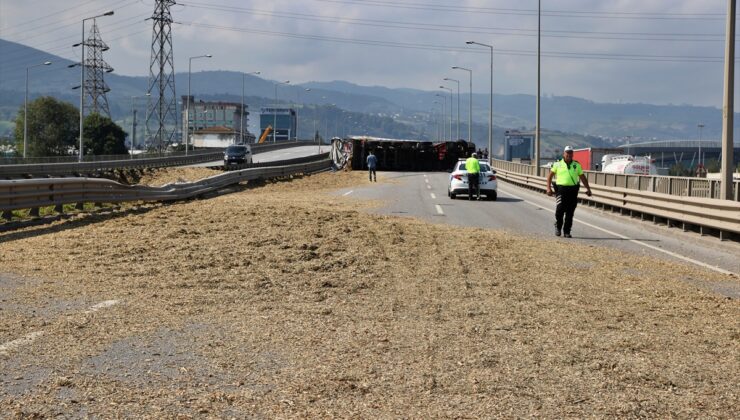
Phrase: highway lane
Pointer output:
(521, 211)
(282, 154)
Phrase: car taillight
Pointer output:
(491, 177)
(457, 177)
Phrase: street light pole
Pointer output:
(470, 105)
(490, 108)
(450, 90)
(444, 116)
(187, 113)
(133, 124)
(458, 104)
(241, 120)
(82, 76)
(25, 108)
(437, 122)
(274, 112)
(701, 127)
(539, 84)
(728, 105)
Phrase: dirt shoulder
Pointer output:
(286, 301)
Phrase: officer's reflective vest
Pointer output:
(566, 175)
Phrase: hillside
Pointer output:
(371, 110)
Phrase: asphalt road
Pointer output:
(424, 195)
(282, 154)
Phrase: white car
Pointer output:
(459, 181)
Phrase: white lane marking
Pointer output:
(348, 193)
(434, 197)
(429, 187)
(20, 342)
(439, 209)
(426, 180)
(635, 241)
(29, 338)
(102, 305)
(425, 175)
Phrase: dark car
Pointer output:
(238, 153)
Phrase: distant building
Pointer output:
(217, 137)
(284, 120)
(518, 145)
(212, 117)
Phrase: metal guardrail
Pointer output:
(721, 215)
(96, 158)
(670, 185)
(77, 169)
(293, 161)
(35, 193)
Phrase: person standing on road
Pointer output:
(567, 173)
(472, 166)
(372, 164)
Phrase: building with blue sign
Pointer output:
(518, 145)
(283, 121)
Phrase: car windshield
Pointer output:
(236, 149)
(483, 167)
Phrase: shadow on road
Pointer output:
(11, 231)
(508, 200)
(615, 239)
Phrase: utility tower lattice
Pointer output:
(161, 119)
(94, 86)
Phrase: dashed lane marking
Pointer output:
(348, 193)
(439, 209)
(20, 342)
(29, 338)
(434, 197)
(634, 241)
(102, 305)
(429, 187)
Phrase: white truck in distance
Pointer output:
(628, 165)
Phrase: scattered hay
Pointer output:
(282, 301)
(165, 176)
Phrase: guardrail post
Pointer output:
(59, 208)
(7, 215)
(689, 188)
(670, 186)
(80, 206)
(34, 212)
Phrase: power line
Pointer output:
(17, 53)
(447, 48)
(532, 12)
(45, 30)
(626, 36)
(54, 14)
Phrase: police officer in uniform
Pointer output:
(567, 173)
(472, 167)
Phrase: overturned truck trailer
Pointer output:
(399, 154)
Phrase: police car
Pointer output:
(459, 181)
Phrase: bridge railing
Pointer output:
(670, 185)
(678, 200)
(41, 192)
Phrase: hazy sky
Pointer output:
(654, 51)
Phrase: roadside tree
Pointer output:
(103, 136)
(53, 128)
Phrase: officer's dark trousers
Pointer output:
(371, 173)
(567, 200)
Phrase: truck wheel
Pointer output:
(453, 196)
(492, 196)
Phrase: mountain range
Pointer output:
(409, 112)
